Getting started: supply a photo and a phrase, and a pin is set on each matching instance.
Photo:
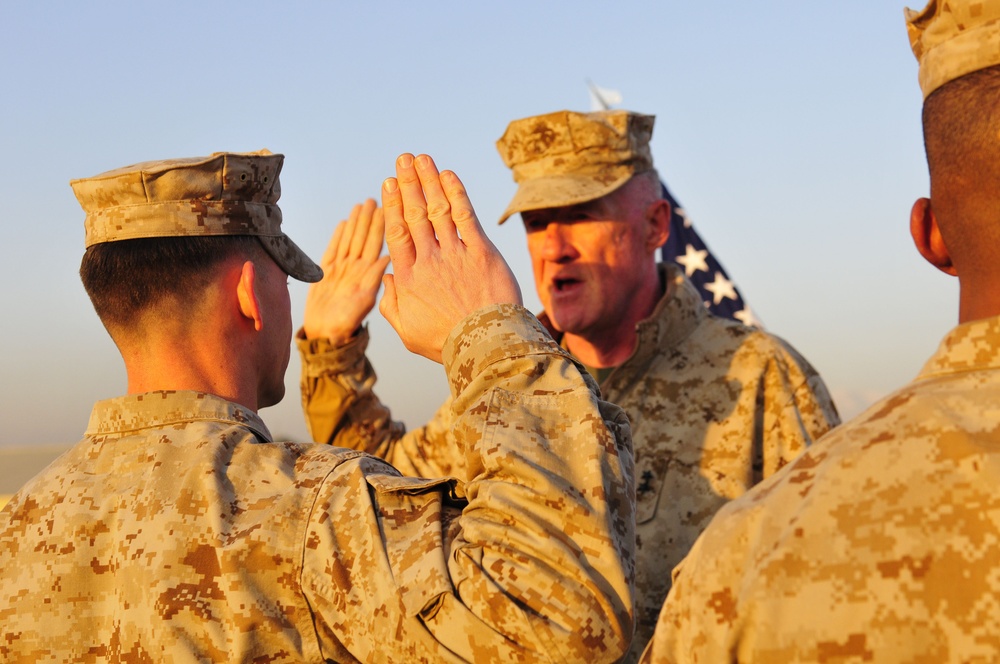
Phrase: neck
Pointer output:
(611, 346)
(978, 299)
(206, 359)
(601, 355)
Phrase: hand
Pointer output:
(352, 270)
(444, 267)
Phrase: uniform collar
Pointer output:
(971, 346)
(126, 414)
(678, 313)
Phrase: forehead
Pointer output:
(605, 206)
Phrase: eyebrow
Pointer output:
(549, 213)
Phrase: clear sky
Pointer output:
(789, 130)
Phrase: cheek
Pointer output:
(535, 253)
(624, 247)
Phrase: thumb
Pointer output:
(389, 305)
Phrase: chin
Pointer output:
(272, 398)
(566, 325)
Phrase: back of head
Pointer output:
(156, 231)
(958, 46)
(129, 280)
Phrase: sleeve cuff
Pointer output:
(489, 335)
(321, 356)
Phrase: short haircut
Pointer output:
(961, 121)
(638, 192)
(125, 279)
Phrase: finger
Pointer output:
(330, 253)
(414, 204)
(388, 306)
(362, 226)
(462, 213)
(438, 206)
(373, 274)
(397, 235)
(376, 235)
(350, 226)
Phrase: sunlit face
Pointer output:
(589, 260)
(276, 339)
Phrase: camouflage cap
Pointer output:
(565, 158)
(952, 38)
(223, 194)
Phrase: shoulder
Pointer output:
(747, 348)
(893, 443)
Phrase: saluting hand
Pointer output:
(444, 267)
(352, 270)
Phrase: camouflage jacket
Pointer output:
(177, 531)
(714, 406)
(880, 544)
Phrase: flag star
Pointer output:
(746, 317)
(721, 288)
(684, 217)
(693, 260)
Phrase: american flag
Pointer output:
(686, 248)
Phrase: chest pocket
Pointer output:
(414, 510)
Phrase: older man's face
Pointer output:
(589, 260)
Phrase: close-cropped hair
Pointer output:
(650, 184)
(124, 279)
(641, 190)
(962, 138)
(961, 122)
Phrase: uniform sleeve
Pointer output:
(342, 409)
(531, 559)
(797, 409)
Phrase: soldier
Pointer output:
(177, 530)
(715, 406)
(882, 542)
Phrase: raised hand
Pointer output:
(352, 270)
(444, 267)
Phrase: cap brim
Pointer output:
(559, 191)
(290, 258)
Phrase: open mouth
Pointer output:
(561, 285)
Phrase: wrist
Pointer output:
(335, 337)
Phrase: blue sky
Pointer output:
(790, 132)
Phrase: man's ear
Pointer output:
(927, 237)
(658, 218)
(247, 294)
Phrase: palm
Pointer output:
(352, 272)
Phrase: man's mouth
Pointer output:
(561, 285)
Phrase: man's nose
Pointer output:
(558, 246)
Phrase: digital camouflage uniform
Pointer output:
(177, 531)
(880, 544)
(714, 407)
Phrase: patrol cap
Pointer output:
(952, 38)
(565, 158)
(226, 193)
